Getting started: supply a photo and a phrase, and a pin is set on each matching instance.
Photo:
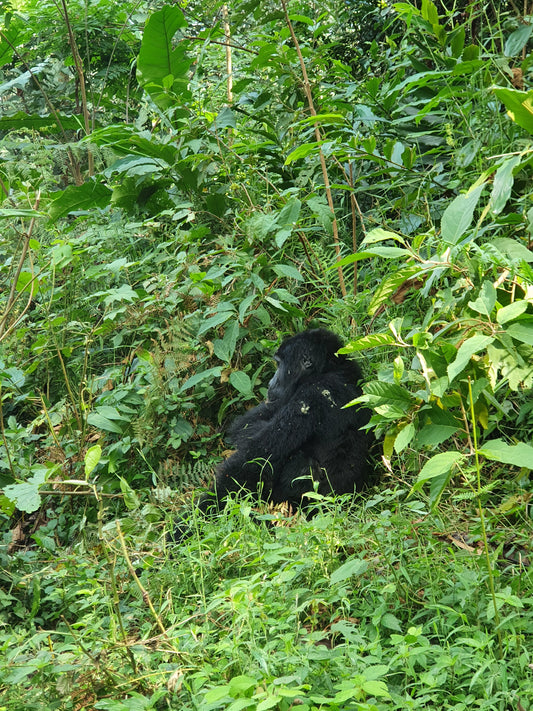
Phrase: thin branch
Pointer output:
(81, 78)
(318, 138)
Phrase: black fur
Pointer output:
(301, 430)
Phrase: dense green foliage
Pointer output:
(367, 168)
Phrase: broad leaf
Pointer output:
(241, 382)
(503, 183)
(79, 198)
(486, 299)
(163, 70)
(92, 457)
(373, 340)
(519, 455)
(458, 216)
(517, 40)
(357, 566)
(522, 331)
(472, 345)
(21, 120)
(519, 105)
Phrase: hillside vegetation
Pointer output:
(181, 186)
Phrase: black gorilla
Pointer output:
(301, 430)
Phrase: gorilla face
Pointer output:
(300, 358)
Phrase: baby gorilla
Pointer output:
(301, 432)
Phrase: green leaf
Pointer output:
(103, 423)
(241, 382)
(438, 471)
(49, 124)
(92, 457)
(519, 105)
(442, 463)
(458, 41)
(388, 286)
(373, 340)
(26, 494)
(518, 455)
(512, 311)
(503, 183)
(376, 688)
(302, 151)
(130, 497)
(514, 250)
(269, 703)
(162, 70)
(210, 373)
(78, 198)
(290, 213)
(404, 437)
(522, 331)
(287, 270)
(357, 566)
(458, 216)
(16, 212)
(430, 12)
(380, 235)
(517, 40)
(434, 434)
(466, 351)
(486, 300)
(27, 282)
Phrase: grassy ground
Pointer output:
(376, 605)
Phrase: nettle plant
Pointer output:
(462, 373)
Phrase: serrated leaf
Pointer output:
(517, 251)
(376, 688)
(391, 622)
(458, 216)
(472, 345)
(387, 392)
(290, 213)
(25, 495)
(518, 455)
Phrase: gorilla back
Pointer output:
(301, 432)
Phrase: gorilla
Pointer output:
(301, 434)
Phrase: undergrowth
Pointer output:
(373, 604)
